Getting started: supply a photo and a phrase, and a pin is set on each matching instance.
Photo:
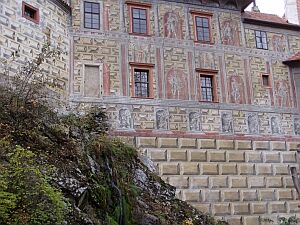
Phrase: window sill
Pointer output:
(262, 49)
(32, 20)
(204, 42)
(201, 101)
(136, 97)
(266, 87)
(140, 34)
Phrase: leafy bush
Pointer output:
(26, 197)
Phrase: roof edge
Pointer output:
(272, 24)
(63, 5)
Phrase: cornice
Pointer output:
(63, 5)
(238, 5)
(287, 26)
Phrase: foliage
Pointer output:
(30, 199)
(293, 220)
(97, 174)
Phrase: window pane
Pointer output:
(141, 83)
(206, 88)
(95, 8)
(139, 22)
(205, 22)
(87, 7)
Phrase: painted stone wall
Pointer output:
(27, 38)
(230, 158)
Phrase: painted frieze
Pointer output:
(227, 122)
(162, 119)
(125, 119)
(253, 123)
(195, 121)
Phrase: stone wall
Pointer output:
(231, 157)
(27, 38)
(241, 181)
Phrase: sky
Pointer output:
(270, 6)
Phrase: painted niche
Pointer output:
(230, 32)
(172, 25)
(177, 84)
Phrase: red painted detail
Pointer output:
(294, 89)
(192, 75)
(177, 84)
(222, 75)
(236, 89)
(248, 82)
(218, 136)
(268, 68)
(106, 79)
(159, 73)
(106, 18)
(124, 70)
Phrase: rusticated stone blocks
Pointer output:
(236, 180)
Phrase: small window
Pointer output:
(31, 13)
(207, 89)
(206, 84)
(202, 29)
(265, 80)
(142, 80)
(92, 15)
(261, 40)
(139, 21)
(141, 83)
(139, 18)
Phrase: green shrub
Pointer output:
(26, 197)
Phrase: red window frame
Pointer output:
(208, 73)
(137, 5)
(269, 80)
(36, 18)
(208, 16)
(142, 66)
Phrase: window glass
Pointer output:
(261, 40)
(265, 80)
(139, 20)
(206, 88)
(91, 15)
(202, 29)
(141, 83)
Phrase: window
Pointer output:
(202, 26)
(139, 18)
(30, 12)
(92, 15)
(202, 29)
(92, 81)
(142, 81)
(206, 88)
(265, 80)
(207, 85)
(261, 40)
